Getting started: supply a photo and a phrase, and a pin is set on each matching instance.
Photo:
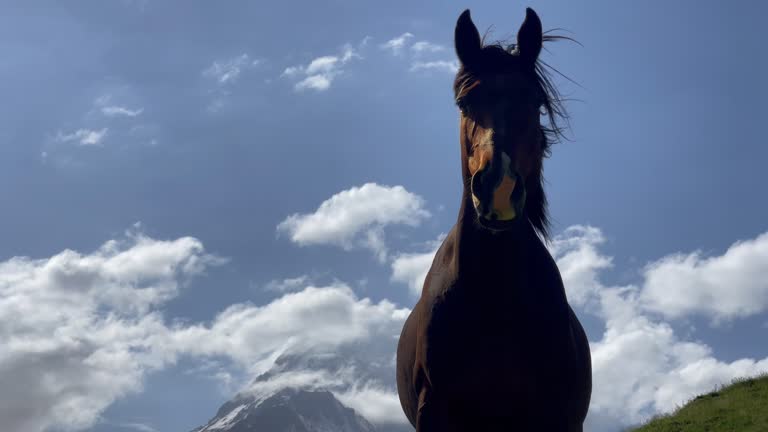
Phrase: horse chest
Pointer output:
(510, 341)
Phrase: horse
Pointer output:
(492, 343)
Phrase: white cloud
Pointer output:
(728, 286)
(292, 71)
(113, 110)
(377, 404)
(354, 217)
(116, 111)
(320, 72)
(85, 137)
(412, 268)
(640, 366)
(425, 47)
(79, 331)
(374, 240)
(333, 338)
(396, 45)
(312, 380)
(315, 82)
(437, 65)
(316, 318)
(287, 285)
(322, 65)
(579, 261)
(228, 71)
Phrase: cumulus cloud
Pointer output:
(315, 318)
(641, 367)
(356, 217)
(84, 137)
(412, 268)
(378, 404)
(308, 379)
(313, 339)
(320, 72)
(315, 82)
(579, 262)
(724, 287)
(79, 331)
(397, 44)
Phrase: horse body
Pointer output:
(492, 343)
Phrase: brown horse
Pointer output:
(492, 344)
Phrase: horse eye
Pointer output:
(463, 106)
(461, 103)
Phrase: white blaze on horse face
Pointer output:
(502, 208)
(502, 195)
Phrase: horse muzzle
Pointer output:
(498, 195)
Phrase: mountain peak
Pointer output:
(288, 410)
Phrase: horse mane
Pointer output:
(497, 56)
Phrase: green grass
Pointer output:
(741, 406)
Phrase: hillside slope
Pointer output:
(741, 406)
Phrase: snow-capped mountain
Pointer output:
(295, 395)
(288, 410)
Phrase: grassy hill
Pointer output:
(741, 406)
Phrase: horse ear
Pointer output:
(530, 37)
(467, 39)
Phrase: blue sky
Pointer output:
(168, 170)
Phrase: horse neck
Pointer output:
(480, 251)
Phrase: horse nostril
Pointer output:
(478, 186)
(480, 176)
